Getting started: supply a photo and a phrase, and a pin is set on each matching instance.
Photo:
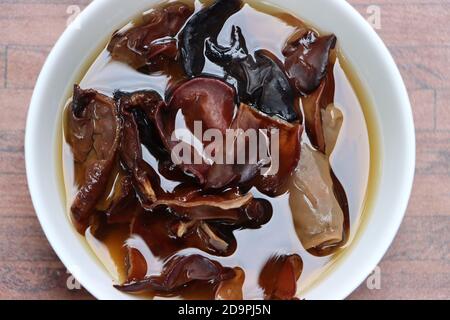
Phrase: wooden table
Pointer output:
(416, 266)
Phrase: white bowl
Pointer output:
(362, 47)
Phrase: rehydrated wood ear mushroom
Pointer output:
(261, 80)
(93, 134)
(153, 42)
(146, 179)
(209, 101)
(205, 24)
(307, 58)
(180, 271)
(279, 277)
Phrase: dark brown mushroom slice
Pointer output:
(136, 265)
(205, 24)
(93, 135)
(196, 220)
(181, 271)
(125, 204)
(172, 172)
(146, 179)
(206, 100)
(271, 182)
(200, 206)
(131, 157)
(258, 212)
(228, 208)
(212, 237)
(231, 289)
(260, 79)
(79, 124)
(279, 277)
(307, 58)
(144, 105)
(165, 233)
(153, 42)
(211, 101)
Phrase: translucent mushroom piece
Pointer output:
(318, 217)
(332, 119)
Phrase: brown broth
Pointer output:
(352, 160)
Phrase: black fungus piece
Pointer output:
(227, 55)
(205, 24)
(272, 92)
(261, 82)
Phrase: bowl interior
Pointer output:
(365, 53)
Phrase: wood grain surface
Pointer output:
(417, 266)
